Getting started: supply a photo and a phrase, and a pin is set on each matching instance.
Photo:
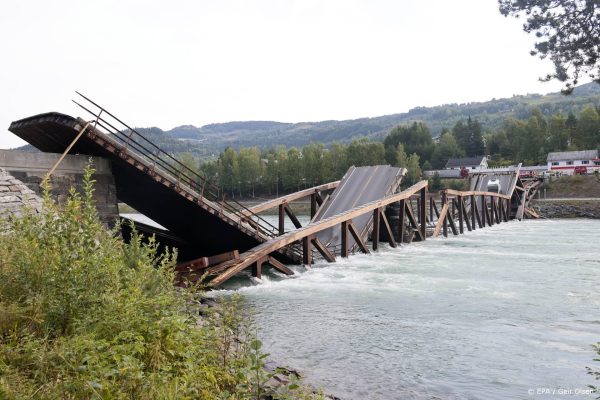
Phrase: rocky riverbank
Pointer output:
(568, 208)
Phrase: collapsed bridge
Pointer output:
(219, 237)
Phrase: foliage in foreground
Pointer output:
(85, 315)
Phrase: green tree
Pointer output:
(558, 134)
(228, 171)
(446, 148)
(249, 169)
(413, 175)
(568, 32)
(469, 137)
(588, 129)
(312, 158)
(416, 138)
(361, 152)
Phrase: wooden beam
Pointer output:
(230, 269)
(257, 267)
(281, 219)
(476, 212)
(388, 229)
(473, 210)
(375, 234)
(440, 221)
(401, 218)
(321, 248)
(491, 220)
(307, 250)
(279, 266)
(359, 241)
(219, 258)
(466, 215)
(292, 216)
(345, 242)
(435, 208)
(423, 210)
(192, 265)
(458, 204)
(288, 199)
(452, 224)
(445, 221)
(483, 210)
(412, 220)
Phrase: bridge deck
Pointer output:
(359, 186)
(205, 224)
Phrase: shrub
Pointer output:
(85, 315)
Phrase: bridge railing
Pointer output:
(131, 140)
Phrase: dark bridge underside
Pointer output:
(204, 233)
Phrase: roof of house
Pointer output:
(572, 155)
(464, 162)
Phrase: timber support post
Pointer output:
(473, 211)
(401, 218)
(345, 238)
(459, 203)
(423, 210)
(313, 204)
(307, 251)
(281, 219)
(445, 222)
(376, 219)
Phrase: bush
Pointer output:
(85, 315)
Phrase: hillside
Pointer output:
(209, 140)
(215, 137)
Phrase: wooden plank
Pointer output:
(388, 229)
(288, 198)
(440, 221)
(219, 258)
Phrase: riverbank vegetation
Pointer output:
(250, 171)
(84, 315)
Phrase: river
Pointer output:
(507, 312)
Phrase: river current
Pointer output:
(507, 312)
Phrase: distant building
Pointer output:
(470, 163)
(567, 161)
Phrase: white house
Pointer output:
(470, 163)
(566, 161)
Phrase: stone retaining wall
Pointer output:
(30, 169)
(14, 196)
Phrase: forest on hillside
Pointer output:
(208, 141)
(251, 171)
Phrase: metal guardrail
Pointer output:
(133, 141)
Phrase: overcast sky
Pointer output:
(169, 63)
